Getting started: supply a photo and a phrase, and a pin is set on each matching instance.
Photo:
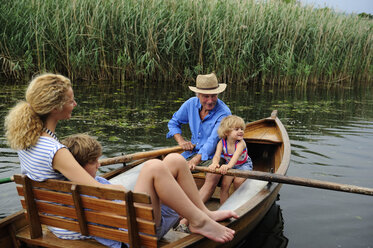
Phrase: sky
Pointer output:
(347, 6)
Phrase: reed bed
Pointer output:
(174, 40)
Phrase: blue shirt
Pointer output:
(204, 133)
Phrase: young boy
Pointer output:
(87, 150)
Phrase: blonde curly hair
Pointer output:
(24, 122)
(83, 147)
(229, 123)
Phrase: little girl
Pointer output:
(233, 148)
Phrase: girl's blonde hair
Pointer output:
(228, 124)
(24, 122)
(84, 148)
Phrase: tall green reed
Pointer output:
(174, 40)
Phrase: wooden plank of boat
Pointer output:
(269, 147)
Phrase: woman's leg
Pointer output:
(224, 189)
(157, 181)
(180, 171)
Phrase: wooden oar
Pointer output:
(140, 155)
(270, 177)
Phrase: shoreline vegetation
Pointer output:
(174, 40)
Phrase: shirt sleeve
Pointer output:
(179, 117)
(208, 149)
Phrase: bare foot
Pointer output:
(216, 215)
(184, 221)
(212, 230)
(222, 215)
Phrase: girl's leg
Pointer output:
(237, 182)
(180, 171)
(224, 189)
(208, 188)
(157, 181)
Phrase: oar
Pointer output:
(6, 180)
(140, 155)
(270, 177)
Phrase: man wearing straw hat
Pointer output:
(203, 113)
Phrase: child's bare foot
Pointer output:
(212, 230)
(222, 215)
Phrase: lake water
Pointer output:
(330, 129)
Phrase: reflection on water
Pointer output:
(269, 232)
(330, 129)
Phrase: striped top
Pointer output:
(242, 158)
(36, 163)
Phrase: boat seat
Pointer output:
(93, 211)
(269, 135)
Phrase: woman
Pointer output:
(30, 128)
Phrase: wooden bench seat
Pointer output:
(92, 211)
(255, 133)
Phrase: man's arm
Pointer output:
(186, 145)
(194, 161)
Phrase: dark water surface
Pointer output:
(331, 134)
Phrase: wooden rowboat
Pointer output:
(269, 148)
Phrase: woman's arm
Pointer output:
(66, 164)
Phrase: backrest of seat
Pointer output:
(93, 211)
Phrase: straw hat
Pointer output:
(208, 84)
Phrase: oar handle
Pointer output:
(6, 180)
(272, 177)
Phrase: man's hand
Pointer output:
(186, 145)
(194, 161)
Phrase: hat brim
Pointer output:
(217, 90)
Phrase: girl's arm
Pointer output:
(66, 164)
(236, 155)
(216, 158)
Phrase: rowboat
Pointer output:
(269, 148)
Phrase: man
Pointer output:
(203, 113)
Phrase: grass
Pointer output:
(174, 40)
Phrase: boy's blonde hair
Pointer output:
(24, 122)
(228, 124)
(84, 148)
